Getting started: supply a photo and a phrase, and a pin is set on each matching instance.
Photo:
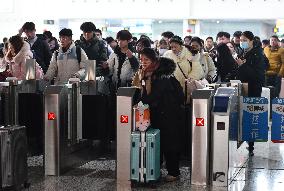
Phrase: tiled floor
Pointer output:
(264, 172)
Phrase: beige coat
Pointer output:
(208, 66)
(194, 72)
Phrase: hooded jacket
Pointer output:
(165, 102)
(193, 70)
(17, 65)
(66, 65)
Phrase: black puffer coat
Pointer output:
(95, 50)
(165, 102)
(253, 71)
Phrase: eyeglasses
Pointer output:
(63, 38)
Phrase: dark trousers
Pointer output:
(251, 146)
(172, 163)
(274, 80)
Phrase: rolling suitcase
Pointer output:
(145, 155)
(14, 168)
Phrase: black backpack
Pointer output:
(78, 53)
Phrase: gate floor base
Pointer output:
(264, 171)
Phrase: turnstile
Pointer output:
(56, 129)
(127, 97)
(201, 136)
(9, 102)
(227, 157)
(30, 99)
(98, 109)
(63, 143)
(74, 110)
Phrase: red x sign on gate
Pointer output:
(51, 116)
(199, 121)
(123, 119)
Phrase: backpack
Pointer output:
(78, 53)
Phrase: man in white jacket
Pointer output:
(65, 63)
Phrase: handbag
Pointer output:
(191, 85)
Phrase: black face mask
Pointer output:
(194, 51)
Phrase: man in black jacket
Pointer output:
(93, 46)
(38, 44)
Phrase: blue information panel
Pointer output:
(277, 128)
(255, 119)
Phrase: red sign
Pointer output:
(124, 119)
(199, 121)
(51, 116)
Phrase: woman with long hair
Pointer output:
(18, 52)
(226, 64)
(164, 94)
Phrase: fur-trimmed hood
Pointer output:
(166, 67)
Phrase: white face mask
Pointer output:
(162, 51)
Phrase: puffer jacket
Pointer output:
(193, 70)
(66, 65)
(95, 50)
(208, 66)
(129, 68)
(17, 65)
(276, 61)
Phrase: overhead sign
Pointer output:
(255, 119)
(277, 128)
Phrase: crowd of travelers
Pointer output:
(159, 68)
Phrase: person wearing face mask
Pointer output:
(251, 64)
(206, 61)
(188, 66)
(251, 68)
(164, 94)
(163, 47)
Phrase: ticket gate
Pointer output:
(201, 136)
(74, 110)
(63, 137)
(9, 102)
(94, 106)
(13, 138)
(30, 99)
(127, 97)
(227, 157)
(56, 126)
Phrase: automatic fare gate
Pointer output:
(30, 93)
(227, 156)
(127, 97)
(56, 126)
(63, 128)
(201, 132)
